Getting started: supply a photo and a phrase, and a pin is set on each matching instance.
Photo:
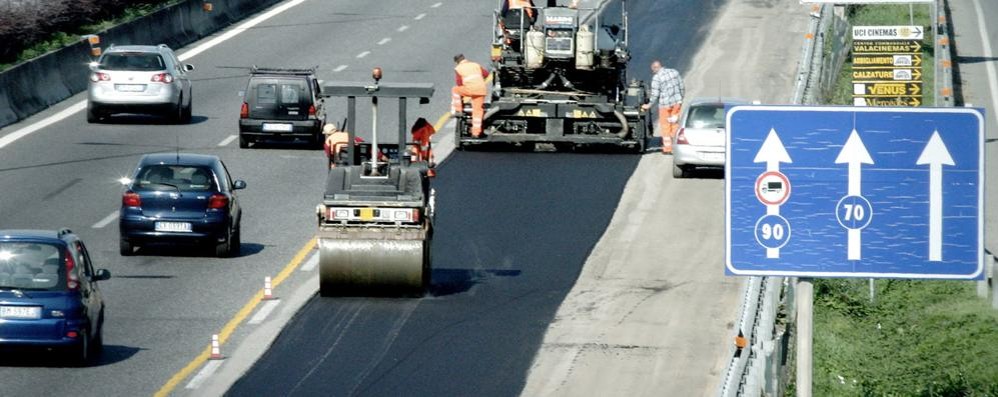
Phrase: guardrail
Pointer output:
(758, 366)
(944, 58)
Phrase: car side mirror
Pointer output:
(238, 185)
(188, 67)
(93, 66)
(102, 274)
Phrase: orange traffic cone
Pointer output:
(216, 349)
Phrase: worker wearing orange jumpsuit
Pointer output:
(667, 90)
(470, 82)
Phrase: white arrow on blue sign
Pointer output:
(919, 170)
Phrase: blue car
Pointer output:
(179, 198)
(49, 297)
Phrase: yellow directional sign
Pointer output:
(887, 89)
(887, 47)
(886, 60)
(887, 74)
(897, 101)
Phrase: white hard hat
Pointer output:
(329, 128)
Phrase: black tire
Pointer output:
(243, 142)
(126, 248)
(678, 171)
(235, 243)
(92, 115)
(222, 250)
(176, 115)
(79, 355)
(187, 112)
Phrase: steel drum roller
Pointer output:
(349, 266)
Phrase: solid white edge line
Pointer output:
(264, 311)
(384, 41)
(228, 140)
(403, 28)
(106, 221)
(420, 16)
(202, 375)
(340, 68)
(989, 64)
(310, 264)
(78, 106)
(63, 114)
(238, 29)
(363, 54)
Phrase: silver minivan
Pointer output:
(139, 79)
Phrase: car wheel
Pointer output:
(92, 115)
(235, 243)
(678, 171)
(80, 354)
(223, 249)
(125, 248)
(186, 112)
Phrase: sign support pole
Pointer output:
(805, 336)
(935, 59)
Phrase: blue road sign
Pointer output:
(855, 192)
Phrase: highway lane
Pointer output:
(977, 85)
(513, 232)
(162, 308)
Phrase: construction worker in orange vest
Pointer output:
(422, 131)
(667, 90)
(470, 80)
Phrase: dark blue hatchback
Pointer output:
(49, 296)
(180, 198)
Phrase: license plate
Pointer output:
(182, 227)
(130, 87)
(366, 214)
(21, 312)
(712, 156)
(271, 127)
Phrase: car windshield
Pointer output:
(138, 61)
(175, 177)
(31, 266)
(706, 116)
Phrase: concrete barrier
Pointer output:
(33, 86)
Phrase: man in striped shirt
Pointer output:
(667, 90)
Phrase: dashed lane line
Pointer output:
(202, 375)
(312, 262)
(384, 41)
(340, 68)
(402, 28)
(106, 221)
(263, 312)
(420, 16)
(363, 54)
(228, 140)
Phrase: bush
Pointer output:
(26, 23)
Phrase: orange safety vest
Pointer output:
(471, 77)
(526, 5)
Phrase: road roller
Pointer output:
(376, 215)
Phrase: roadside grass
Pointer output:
(917, 338)
(888, 14)
(58, 40)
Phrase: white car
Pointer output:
(701, 137)
(139, 79)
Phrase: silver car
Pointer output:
(701, 137)
(139, 79)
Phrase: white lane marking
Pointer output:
(340, 68)
(238, 29)
(436, 5)
(106, 221)
(21, 133)
(227, 141)
(264, 311)
(311, 263)
(384, 41)
(420, 16)
(206, 371)
(986, 43)
(363, 54)
(78, 106)
(403, 28)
